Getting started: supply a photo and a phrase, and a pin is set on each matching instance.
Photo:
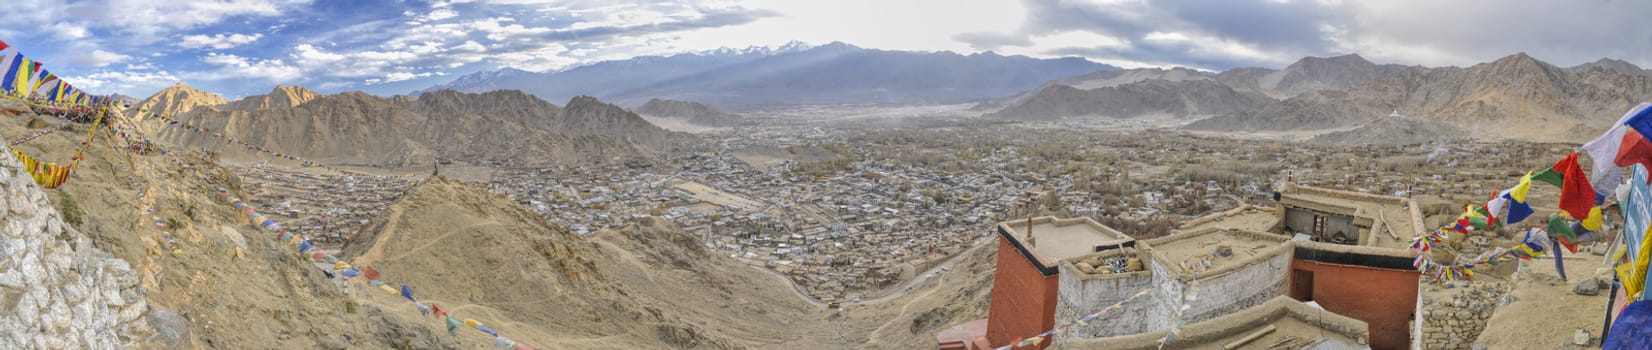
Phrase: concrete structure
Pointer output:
(1345, 217)
(1238, 272)
(1024, 289)
(1279, 320)
(1375, 285)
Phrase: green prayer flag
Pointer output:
(453, 326)
(1558, 228)
(1550, 176)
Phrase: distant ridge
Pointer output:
(696, 113)
(500, 127)
(835, 73)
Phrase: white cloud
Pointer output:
(236, 67)
(66, 31)
(99, 58)
(218, 41)
(102, 82)
(437, 15)
(400, 76)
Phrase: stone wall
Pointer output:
(57, 291)
(1453, 318)
(1082, 293)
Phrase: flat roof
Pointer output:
(1190, 247)
(1382, 211)
(1061, 239)
(1290, 333)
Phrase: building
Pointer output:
(1029, 255)
(1356, 289)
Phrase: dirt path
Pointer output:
(432, 242)
(377, 250)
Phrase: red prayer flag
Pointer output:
(1576, 195)
(370, 273)
(1635, 150)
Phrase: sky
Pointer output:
(247, 47)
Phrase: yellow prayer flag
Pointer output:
(387, 289)
(341, 266)
(1593, 222)
(1519, 190)
(471, 323)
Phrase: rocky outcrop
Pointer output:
(58, 291)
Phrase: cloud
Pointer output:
(231, 66)
(1272, 33)
(121, 80)
(401, 76)
(218, 41)
(99, 58)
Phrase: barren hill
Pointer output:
(1514, 97)
(229, 285)
(1150, 98)
(646, 286)
(176, 99)
(502, 127)
(693, 112)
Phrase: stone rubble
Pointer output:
(57, 291)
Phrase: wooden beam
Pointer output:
(1249, 338)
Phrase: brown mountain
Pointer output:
(1149, 98)
(694, 112)
(176, 99)
(1309, 74)
(1182, 92)
(1611, 65)
(1514, 97)
(500, 127)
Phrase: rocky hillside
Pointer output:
(1611, 65)
(1309, 74)
(1393, 130)
(648, 286)
(176, 99)
(1151, 98)
(501, 127)
(1513, 97)
(228, 284)
(693, 112)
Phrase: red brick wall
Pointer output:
(1023, 299)
(1382, 298)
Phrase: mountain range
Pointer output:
(503, 127)
(795, 74)
(1513, 97)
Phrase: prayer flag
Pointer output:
(1558, 228)
(1603, 153)
(1593, 222)
(485, 329)
(387, 289)
(1518, 209)
(1634, 150)
(407, 292)
(1576, 196)
(452, 326)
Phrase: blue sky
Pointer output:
(244, 47)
